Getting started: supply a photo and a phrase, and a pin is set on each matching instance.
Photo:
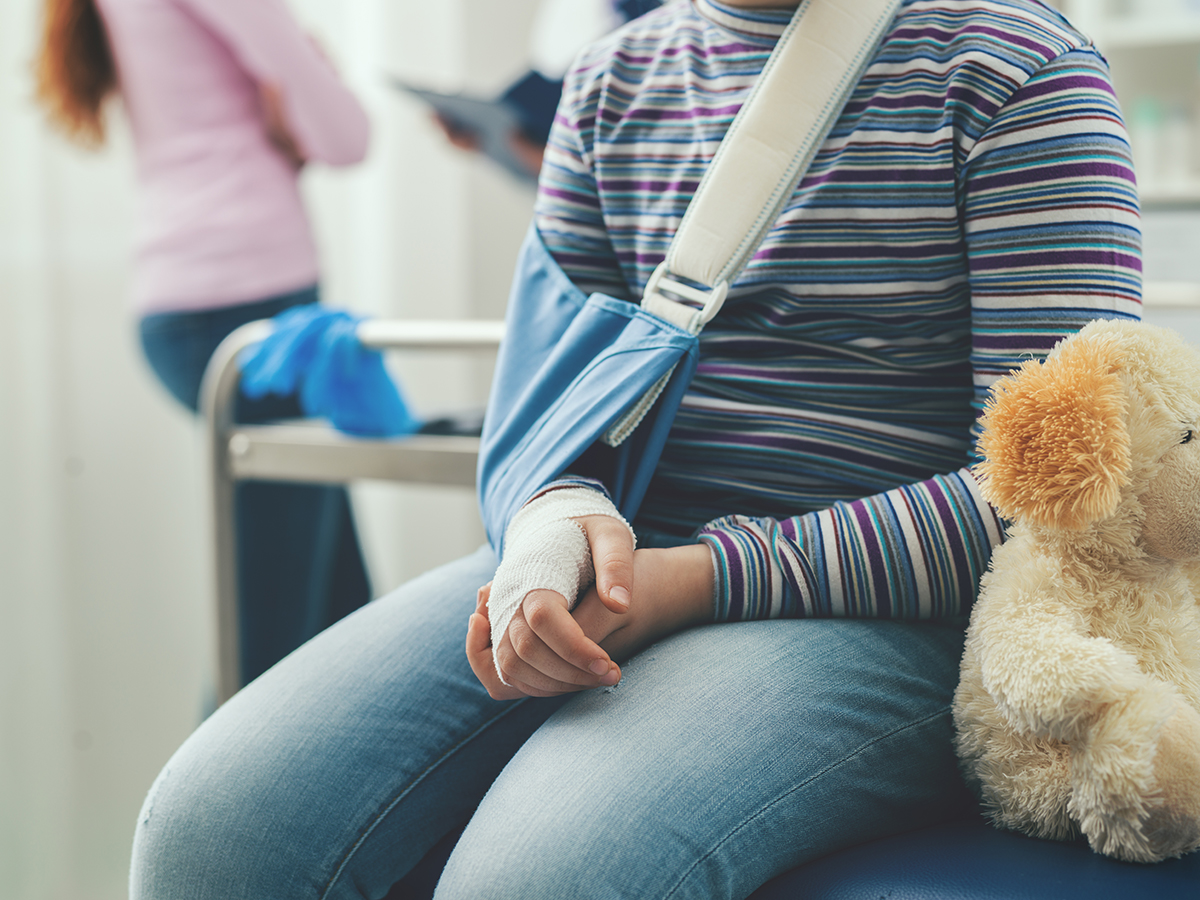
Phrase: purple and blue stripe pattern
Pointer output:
(974, 204)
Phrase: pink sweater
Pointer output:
(220, 218)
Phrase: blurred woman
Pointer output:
(227, 100)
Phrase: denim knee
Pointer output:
(335, 770)
(195, 841)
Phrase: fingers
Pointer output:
(275, 120)
(529, 153)
(546, 638)
(530, 679)
(481, 598)
(456, 135)
(530, 666)
(479, 655)
(612, 556)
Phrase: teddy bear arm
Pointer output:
(1048, 678)
(1173, 827)
(1135, 777)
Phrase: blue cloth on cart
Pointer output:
(315, 352)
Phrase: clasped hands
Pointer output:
(638, 597)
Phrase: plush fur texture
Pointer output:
(1078, 707)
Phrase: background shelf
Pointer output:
(1127, 32)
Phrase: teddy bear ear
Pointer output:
(1055, 444)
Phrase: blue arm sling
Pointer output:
(576, 370)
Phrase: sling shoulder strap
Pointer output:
(772, 140)
(799, 95)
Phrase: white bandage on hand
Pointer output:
(545, 550)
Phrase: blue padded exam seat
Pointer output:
(971, 860)
(965, 860)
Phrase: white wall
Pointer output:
(105, 628)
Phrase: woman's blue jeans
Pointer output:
(299, 564)
(727, 754)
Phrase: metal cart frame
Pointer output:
(311, 452)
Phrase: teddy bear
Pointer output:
(1078, 705)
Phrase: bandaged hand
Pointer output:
(672, 590)
(555, 547)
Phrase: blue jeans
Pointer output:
(727, 754)
(299, 564)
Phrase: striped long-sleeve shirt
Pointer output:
(974, 204)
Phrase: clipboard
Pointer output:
(492, 122)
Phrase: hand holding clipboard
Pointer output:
(493, 127)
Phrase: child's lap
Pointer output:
(727, 754)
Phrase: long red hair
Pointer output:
(74, 68)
